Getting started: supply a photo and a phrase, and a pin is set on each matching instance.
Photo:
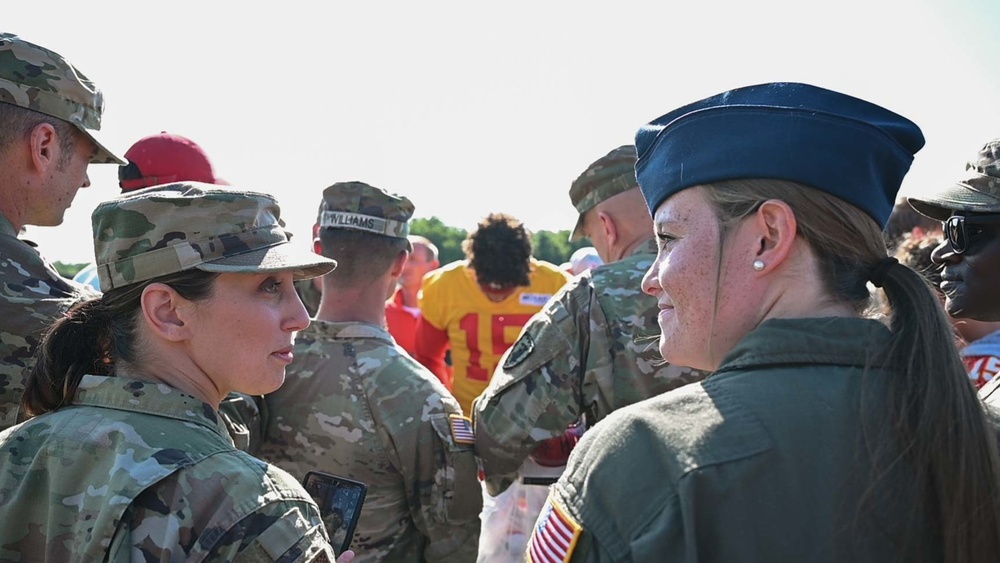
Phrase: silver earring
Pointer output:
(758, 265)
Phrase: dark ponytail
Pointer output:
(77, 343)
(93, 336)
(940, 421)
(929, 418)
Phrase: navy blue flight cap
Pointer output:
(845, 146)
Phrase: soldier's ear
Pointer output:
(607, 224)
(44, 146)
(165, 313)
(775, 226)
(399, 263)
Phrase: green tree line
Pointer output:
(551, 246)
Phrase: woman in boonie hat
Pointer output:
(827, 432)
(126, 457)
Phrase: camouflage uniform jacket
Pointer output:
(32, 295)
(591, 350)
(356, 405)
(132, 470)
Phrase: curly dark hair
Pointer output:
(914, 250)
(499, 251)
(902, 220)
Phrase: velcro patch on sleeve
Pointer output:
(461, 429)
(519, 351)
(555, 535)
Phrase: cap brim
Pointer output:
(103, 155)
(958, 197)
(304, 263)
(577, 233)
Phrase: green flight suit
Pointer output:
(763, 461)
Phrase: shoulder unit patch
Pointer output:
(519, 351)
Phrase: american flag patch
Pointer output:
(554, 537)
(461, 430)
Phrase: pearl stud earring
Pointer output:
(758, 265)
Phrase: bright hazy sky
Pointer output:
(473, 107)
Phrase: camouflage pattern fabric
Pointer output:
(133, 470)
(355, 405)
(361, 207)
(32, 295)
(592, 349)
(608, 176)
(165, 229)
(310, 295)
(977, 191)
(245, 417)
(41, 80)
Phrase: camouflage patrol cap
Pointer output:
(148, 233)
(977, 191)
(41, 80)
(358, 206)
(609, 175)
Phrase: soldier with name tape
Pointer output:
(356, 405)
(591, 350)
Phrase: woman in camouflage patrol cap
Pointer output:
(126, 457)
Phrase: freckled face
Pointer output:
(700, 320)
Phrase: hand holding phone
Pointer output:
(339, 500)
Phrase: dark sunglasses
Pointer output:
(957, 232)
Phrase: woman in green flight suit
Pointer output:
(829, 431)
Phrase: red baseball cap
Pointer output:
(165, 158)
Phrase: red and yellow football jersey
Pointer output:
(480, 330)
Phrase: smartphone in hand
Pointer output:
(340, 500)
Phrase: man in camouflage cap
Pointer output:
(969, 210)
(49, 115)
(597, 335)
(970, 255)
(355, 404)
